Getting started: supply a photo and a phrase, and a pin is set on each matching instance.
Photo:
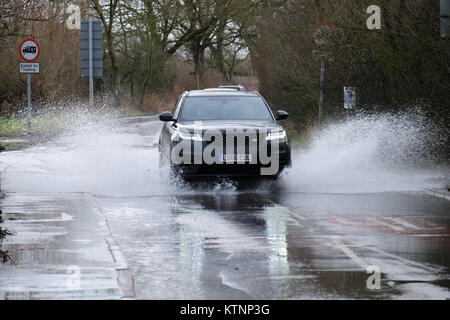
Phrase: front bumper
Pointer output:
(192, 164)
(232, 170)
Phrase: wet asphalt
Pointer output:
(210, 240)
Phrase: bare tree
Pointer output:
(107, 12)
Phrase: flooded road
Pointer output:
(319, 233)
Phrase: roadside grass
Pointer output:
(42, 125)
(132, 112)
(11, 146)
(15, 134)
(17, 127)
(51, 122)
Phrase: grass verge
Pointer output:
(17, 127)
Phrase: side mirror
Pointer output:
(282, 115)
(166, 116)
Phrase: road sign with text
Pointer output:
(96, 42)
(30, 67)
(445, 19)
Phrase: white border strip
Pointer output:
(125, 278)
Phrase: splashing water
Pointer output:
(99, 154)
(120, 157)
(369, 153)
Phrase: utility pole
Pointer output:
(320, 43)
(321, 54)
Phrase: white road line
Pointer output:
(380, 222)
(393, 256)
(338, 244)
(437, 194)
(287, 210)
(433, 225)
(233, 284)
(403, 223)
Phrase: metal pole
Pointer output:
(29, 100)
(91, 68)
(322, 76)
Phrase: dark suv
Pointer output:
(223, 133)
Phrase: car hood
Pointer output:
(230, 125)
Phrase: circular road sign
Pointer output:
(320, 35)
(29, 50)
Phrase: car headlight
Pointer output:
(276, 135)
(186, 136)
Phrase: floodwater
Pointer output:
(352, 203)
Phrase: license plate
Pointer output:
(236, 158)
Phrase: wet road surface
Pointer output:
(210, 240)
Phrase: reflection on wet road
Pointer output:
(249, 246)
(219, 241)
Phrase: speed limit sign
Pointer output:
(29, 50)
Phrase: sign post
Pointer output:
(319, 39)
(91, 53)
(29, 51)
(29, 100)
(322, 78)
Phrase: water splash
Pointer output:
(369, 153)
(105, 155)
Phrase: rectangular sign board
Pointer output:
(96, 26)
(96, 44)
(97, 73)
(351, 97)
(29, 67)
(97, 64)
(96, 54)
(445, 19)
(97, 48)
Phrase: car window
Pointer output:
(225, 108)
(176, 108)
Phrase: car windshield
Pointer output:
(225, 108)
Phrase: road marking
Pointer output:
(393, 256)
(382, 223)
(437, 194)
(237, 285)
(394, 223)
(432, 225)
(277, 206)
(403, 223)
(338, 244)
